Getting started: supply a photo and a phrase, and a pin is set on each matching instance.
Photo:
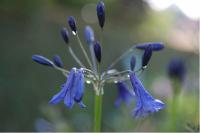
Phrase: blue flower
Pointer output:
(123, 94)
(71, 91)
(89, 35)
(146, 56)
(65, 35)
(42, 60)
(72, 24)
(145, 103)
(58, 61)
(177, 69)
(156, 46)
(101, 13)
(97, 51)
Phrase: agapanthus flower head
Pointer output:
(124, 95)
(65, 35)
(72, 24)
(176, 68)
(97, 51)
(89, 35)
(42, 60)
(147, 55)
(145, 103)
(101, 13)
(57, 61)
(155, 46)
(71, 91)
(133, 62)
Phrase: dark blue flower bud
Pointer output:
(176, 69)
(42, 60)
(72, 24)
(97, 51)
(146, 56)
(101, 13)
(133, 63)
(156, 46)
(57, 61)
(89, 34)
(65, 35)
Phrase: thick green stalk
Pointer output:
(173, 114)
(174, 104)
(98, 103)
(97, 113)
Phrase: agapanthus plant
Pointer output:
(72, 91)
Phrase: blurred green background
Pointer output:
(30, 27)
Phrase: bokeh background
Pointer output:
(30, 27)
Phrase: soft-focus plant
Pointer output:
(176, 70)
(72, 91)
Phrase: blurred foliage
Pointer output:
(30, 27)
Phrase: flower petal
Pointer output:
(68, 100)
(145, 103)
(64, 88)
(123, 94)
(58, 97)
(80, 86)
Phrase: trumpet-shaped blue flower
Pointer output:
(123, 94)
(72, 91)
(145, 103)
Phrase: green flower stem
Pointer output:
(98, 102)
(174, 104)
(97, 113)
